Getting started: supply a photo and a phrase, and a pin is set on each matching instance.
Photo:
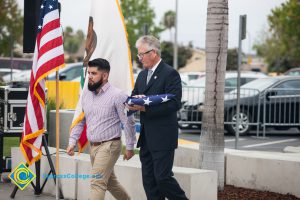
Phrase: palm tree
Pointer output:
(212, 133)
(169, 21)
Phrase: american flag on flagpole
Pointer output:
(48, 57)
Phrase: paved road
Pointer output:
(26, 194)
(274, 141)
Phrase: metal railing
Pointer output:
(278, 107)
(281, 108)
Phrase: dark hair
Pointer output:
(100, 63)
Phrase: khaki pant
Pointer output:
(103, 159)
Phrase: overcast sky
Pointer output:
(191, 18)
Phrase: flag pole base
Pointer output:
(37, 189)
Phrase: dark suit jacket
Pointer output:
(159, 126)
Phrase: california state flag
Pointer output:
(107, 38)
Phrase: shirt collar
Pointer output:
(105, 87)
(155, 66)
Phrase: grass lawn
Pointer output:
(9, 142)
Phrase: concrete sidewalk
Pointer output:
(26, 194)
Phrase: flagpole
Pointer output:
(57, 136)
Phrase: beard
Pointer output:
(94, 86)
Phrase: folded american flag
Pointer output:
(151, 100)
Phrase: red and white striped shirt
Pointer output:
(104, 113)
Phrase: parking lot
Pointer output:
(275, 141)
(266, 102)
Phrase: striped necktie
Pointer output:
(150, 72)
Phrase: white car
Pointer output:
(68, 73)
(190, 76)
(231, 79)
(23, 76)
(194, 93)
(5, 73)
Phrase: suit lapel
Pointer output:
(154, 77)
(143, 81)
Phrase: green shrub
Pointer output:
(51, 105)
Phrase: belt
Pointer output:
(99, 143)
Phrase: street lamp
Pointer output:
(242, 36)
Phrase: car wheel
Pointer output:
(244, 127)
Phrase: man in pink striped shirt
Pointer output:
(103, 106)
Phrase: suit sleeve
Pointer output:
(172, 86)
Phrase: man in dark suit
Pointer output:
(159, 128)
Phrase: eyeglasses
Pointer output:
(141, 55)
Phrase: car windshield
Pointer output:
(293, 73)
(70, 71)
(260, 84)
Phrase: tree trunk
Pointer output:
(212, 132)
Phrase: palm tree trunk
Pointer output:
(212, 132)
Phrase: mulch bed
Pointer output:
(235, 193)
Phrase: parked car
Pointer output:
(7, 71)
(189, 76)
(274, 101)
(231, 79)
(293, 72)
(194, 94)
(22, 76)
(68, 73)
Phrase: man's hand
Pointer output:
(128, 154)
(136, 107)
(70, 150)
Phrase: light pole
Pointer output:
(242, 36)
(175, 57)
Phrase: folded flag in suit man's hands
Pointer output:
(151, 100)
